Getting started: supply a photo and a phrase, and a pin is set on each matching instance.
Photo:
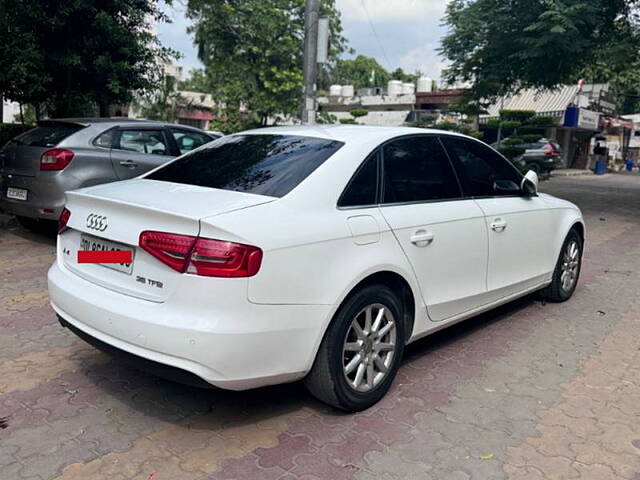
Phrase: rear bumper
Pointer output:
(45, 198)
(256, 345)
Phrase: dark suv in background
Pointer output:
(37, 167)
(542, 156)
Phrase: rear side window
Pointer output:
(417, 169)
(188, 140)
(363, 187)
(46, 136)
(105, 140)
(270, 165)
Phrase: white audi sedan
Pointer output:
(312, 253)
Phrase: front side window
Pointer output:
(363, 187)
(143, 141)
(188, 140)
(271, 165)
(480, 168)
(417, 169)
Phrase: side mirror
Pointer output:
(530, 184)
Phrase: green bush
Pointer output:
(424, 121)
(521, 116)
(510, 152)
(542, 121)
(510, 124)
(325, 118)
(521, 139)
(10, 130)
(449, 126)
(348, 121)
(530, 138)
(359, 112)
(493, 123)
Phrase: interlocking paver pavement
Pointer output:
(530, 391)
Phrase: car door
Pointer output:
(443, 235)
(137, 150)
(520, 228)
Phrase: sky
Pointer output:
(398, 33)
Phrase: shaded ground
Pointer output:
(529, 391)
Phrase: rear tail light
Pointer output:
(548, 150)
(172, 250)
(63, 220)
(215, 258)
(202, 256)
(55, 159)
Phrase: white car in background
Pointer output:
(311, 253)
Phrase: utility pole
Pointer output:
(499, 120)
(310, 67)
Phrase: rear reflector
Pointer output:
(55, 159)
(63, 220)
(202, 256)
(115, 256)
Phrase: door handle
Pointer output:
(498, 225)
(422, 238)
(129, 164)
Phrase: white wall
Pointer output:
(395, 118)
(11, 109)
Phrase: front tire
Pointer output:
(361, 351)
(567, 271)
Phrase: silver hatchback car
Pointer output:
(37, 167)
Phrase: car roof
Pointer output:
(116, 121)
(347, 133)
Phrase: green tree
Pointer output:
(361, 71)
(400, 74)
(197, 82)
(164, 103)
(74, 55)
(503, 46)
(252, 52)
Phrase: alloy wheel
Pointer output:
(369, 347)
(570, 265)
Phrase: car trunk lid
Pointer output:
(112, 216)
(21, 155)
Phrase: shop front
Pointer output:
(575, 136)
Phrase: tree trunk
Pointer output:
(104, 109)
(1, 109)
(21, 114)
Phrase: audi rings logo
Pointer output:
(97, 222)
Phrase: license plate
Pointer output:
(91, 243)
(17, 193)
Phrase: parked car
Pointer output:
(37, 167)
(308, 253)
(542, 156)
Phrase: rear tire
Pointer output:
(356, 364)
(44, 227)
(567, 271)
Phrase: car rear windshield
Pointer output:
(271, 165)
(46, 136)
